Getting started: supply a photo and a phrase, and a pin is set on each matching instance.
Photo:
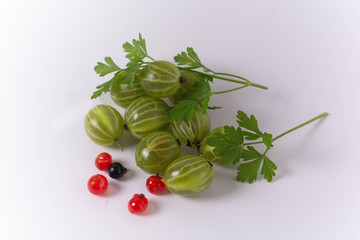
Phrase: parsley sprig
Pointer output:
(197, 98)
(235, 147)
(136, 52)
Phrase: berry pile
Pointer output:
(98, 184)
(141, 88)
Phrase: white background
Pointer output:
(307, 52)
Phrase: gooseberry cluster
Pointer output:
(146, 118)
(143, 89)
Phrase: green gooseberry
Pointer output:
(192, 132)
(190, 78)
(146, 115)
(156, 151)
(104, 125)
(160, 79)
(188, 175)
(123, 94)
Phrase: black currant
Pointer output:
(116, 170)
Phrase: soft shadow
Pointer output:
(224, 184)
(185, 150)
(113, 189)
(152, 208)
(128, 175)
(127, 140)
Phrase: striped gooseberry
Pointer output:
(190, 78)
(104, 125)
(160, 79)
(123, 94)
(146, 115)
(188, 175)
(207, 151)
(156, 151)
(192, 132)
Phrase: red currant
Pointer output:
(138, 203)
(155, 184)
(103, 161)
(98, 184)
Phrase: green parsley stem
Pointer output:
(230, 90)
(247, 83)
(251, 143)
(231, 75)
(150, 58)
(267, 149)
(301, 125)
(215, 75)
(292, 129)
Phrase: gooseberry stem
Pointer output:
(293, 129)
(118, 143)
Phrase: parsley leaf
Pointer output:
(250, 123)
(248, 171)
(130, 72)
(268, 168)
(183, 109)
(190, 58)
(103, 88)
(205, 104)
(102, 69)
(246, 122)
(137, 50)
(200, 90)
(229, 143)
(267, 139)
(199, 96)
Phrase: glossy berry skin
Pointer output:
(156, 151)
(191, 79)
(116, 170)
(123, 94)
(207, 151)
(104, 125)
(188, 175)
(160, 79)
(194, 131)
(138, 203)
(98, 184)
(103, 161)
(146, 115)
(155, 185)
